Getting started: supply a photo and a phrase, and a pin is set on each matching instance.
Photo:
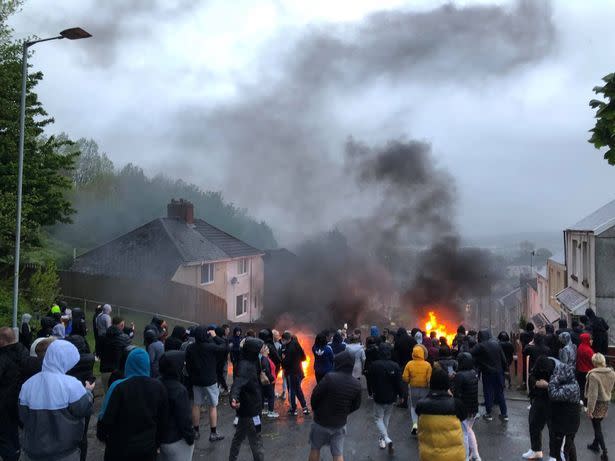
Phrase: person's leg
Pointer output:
(271, 398)
(84, 440)
(598, 435)
(379, 420)
(388, 410)
(314, 455)
(292, 392)
(196, 415)
(240, 434)
(570, 450)
(499, 394)
(555, 445)
(256, 441)
(488, 392)
(472, 442)
(537, 420)
(299, 392)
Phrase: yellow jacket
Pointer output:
(440, 438)
(418, 371)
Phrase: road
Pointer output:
(287, 438)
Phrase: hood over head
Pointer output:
(337, 338)
(439, 380)
(539, 339)
(564, 338)
(418, 353)
(106, 309)
(444, 352)
(219, 332)
(565, 374)
(150, 336)
(265, 335)
(585, 338)
(589, 313)
(550, 329)
(484, 335)
(179, 332)
(461, 330)
(529, 326)
(200, 334)
(251, 348)
(401, 332)
(374, 331)
(503, 337)
(237, 330)
(563, 323)
(60, 357)
(418, 337)
(137, 363)
(172, 364)
(465, 361)
(344, 362)
(385, 351)
(59, 331)
(25, 318)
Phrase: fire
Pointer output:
(441, 329)
(304, 340)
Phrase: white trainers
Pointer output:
(272, 414)
(264, 412)
(531, 454)
(382, 443)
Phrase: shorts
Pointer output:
(206, 395)
(334, 437)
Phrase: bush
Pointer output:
(44, 287)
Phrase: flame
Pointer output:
(441, 329)
(304, 340)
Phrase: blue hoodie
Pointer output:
(137, 364)
(374, 332)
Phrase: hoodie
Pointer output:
(568, 353)
(357, 351)
(385, 376)
(103, 321)
(177, 338)
(488, 354)
(374, 332)
(134, 412)
(201, 358)
(598, 329)
(564, 394)
(53, 406)
(417, 372)
(402, 350)
(246, 388)
(338, 394)
(25, 333)
(337, 343)
(465, 383)
(584, 354)
(178, 425)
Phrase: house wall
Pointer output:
(251, 284)
(581, 277)
(543, 292)
(556, 274)
(532, 302)
(191, 275)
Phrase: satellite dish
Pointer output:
(234, 281)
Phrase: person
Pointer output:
(277, 344)
(134, 413)
(333, 399)
(155, 350)
(372, 353)
(158, 325)
(416, 375)
(433, 350)
(201, 368)
(387, 386)
(584, 362)
(465, 388)
(598, 328)
(221, 359)
(356, 349)
(598, 391)
(535, 349)
(568, 351)
(440, 417)
(14, 358)
(525, 338)
(564, 395)
(418, 337)
(111, 347)
(25, 332)
(53, 407)
(402, 354)
(177, 437)
(552, 341)
(509, 352)
(103, 321)
(323, 356)
(540, 405)
(446, 361)
(459, 337)
(178, 337)
(235, 344)
(337, 343)
(97, 312)
(292, 357)
(577, 330)
(247, 401)
(268, 386)
(563, 327)
(34, 364)
(489, 357)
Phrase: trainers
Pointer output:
(504, 418)
(292, 412)
(306, 411)
(531, 454)
(391, 449)
(382, 443)
(264, 412)
(283, 396)
(593, 447)
(215, 437)
(487, 417)
(414, 429)
(272, 414)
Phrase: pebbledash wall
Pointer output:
(228, 284)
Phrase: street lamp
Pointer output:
(74, 33)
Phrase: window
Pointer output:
(585, 255)
(207, 273)
(241, 306)
(242, 266)
(573, 250)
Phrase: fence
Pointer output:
(165, 298)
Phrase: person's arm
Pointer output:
(182, 416)
(591, 394)
(318, 393)
(356, 402)
(399, 383)
(428, 374)
(460, 410)
(458, 386)
(82, 407)
(239, 381)
(163, 413)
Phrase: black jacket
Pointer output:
(13, 361)
(84, 370)
(338, 394)
(598, 329)
(441, 403)
(372, 354)
(488, 354)
(292, 356)
(509, 351)
(535, 351)
(179, 424)
(25, 335)
(465, 383)
(246, 387)
(543, 369)
(177, 338)
(113, 344)
(201, 358)
(132, 425)
(386, 381)
(402, 350)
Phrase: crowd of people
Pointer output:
(153, 395)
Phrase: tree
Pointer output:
(46, 175)
(603, 134)
(44, 287)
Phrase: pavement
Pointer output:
(287, 437)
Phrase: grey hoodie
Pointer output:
(103, 321)
(357, 351)
(568, 353)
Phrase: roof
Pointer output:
(558, 258)
(542, 272)
(547, 316)
(156, 249)
(571, 299)
(599, 221)
(511, 299)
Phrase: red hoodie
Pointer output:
(584, 354)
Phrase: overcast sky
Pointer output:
(257, 98)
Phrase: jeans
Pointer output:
(294, 384)
(538, 418)
(469, 438)
(268, 396)
(382, 416)
(581, 379)
(493, 387)
(246, 428)
(598, 436)
(415, 394)
(555, 446)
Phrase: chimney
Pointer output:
(181, 209)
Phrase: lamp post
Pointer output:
(74, 33)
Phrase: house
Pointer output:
(189, 251)
(589, 248)
(540, 311)
(556, 275)
(511, 307)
